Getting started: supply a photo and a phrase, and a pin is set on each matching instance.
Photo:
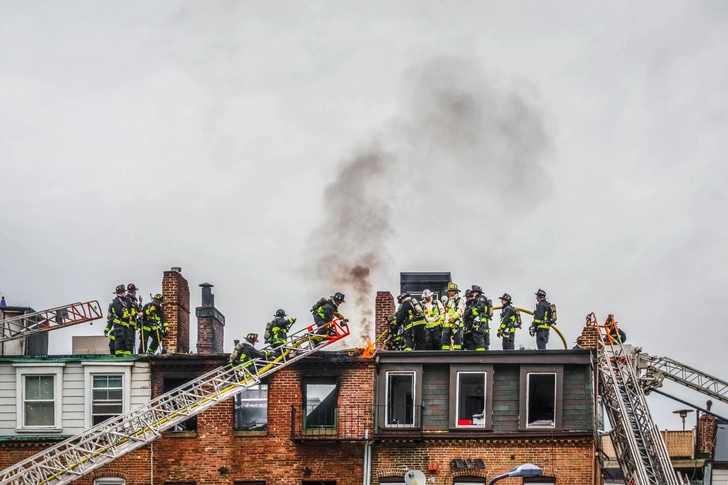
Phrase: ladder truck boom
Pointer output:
(115, 437)
(640, 449)
(51, 319)
(656, 369)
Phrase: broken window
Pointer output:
(471, 398)
(170, 383)
(400, 398)
(251, 409)
(321, 401)
(541, 400)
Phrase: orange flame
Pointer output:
(368, 351)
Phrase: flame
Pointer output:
(368, 351)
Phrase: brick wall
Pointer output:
(384, 308)
(570, 461)
(176, 292)
(220, 456)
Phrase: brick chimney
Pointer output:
(176, 294)
(589, 338)
(706, 432)
(210, 324)
(384, 308)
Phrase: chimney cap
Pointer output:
(177, 269)
(206, 285)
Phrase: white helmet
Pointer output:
(426, 294)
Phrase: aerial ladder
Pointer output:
(654, 370)
(638, 444)
(54, 318)
(115, 437)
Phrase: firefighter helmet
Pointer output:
(131, 287)
(252, 338)
(280, 313)
(402, 296)
(120, 288)
(338, 296)
(468, 293)
(453, 287)
(540, 293)
(477, 288)
(427, 294)
(506, 297)
(159, 297)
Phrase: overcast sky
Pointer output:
(270, 147)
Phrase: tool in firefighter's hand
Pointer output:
(499, 333)
(532, 331)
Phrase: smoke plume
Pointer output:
(459, 148)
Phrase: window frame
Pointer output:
(54, 369)
(109, 481)
(558, 371)
(320, 380)
(241, 432)
(382, 396)
(455, 369)
(90, 369)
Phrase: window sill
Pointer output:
(40, 430)
(250, 433)
(470, 429)
(179, 434)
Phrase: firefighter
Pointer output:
(509, 323)
(468, 343)
(541, 320)
(412, 319)
(123, 332)
(109, 330)
(153, 325)
(482, 311)
(279, 331)
(325, 311)
(134, 312)
(246, 354)
(454, 309)
(434, 315)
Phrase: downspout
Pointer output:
(151, 465)
(367, 458)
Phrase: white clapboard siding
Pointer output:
(141, 384)
(75, 400)
(7, 399)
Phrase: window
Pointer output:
(471, 397)
(251, 410)
(321, 399)
(541, 397)
(189, 425)
(468, 480)
(39, 397)
(541, 480)
(107, 390)
(541, 400)
(107, 400)
(400, 398)
(109, 481)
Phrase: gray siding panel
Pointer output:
(73, 398)
(435, 397)
(506, 383)
(578, 413)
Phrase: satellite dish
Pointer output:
(415, 477)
